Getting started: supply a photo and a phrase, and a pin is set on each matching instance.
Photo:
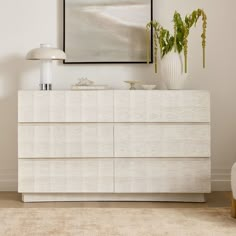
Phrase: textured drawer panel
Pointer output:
(81, 140)
(161, 106)
(65, 176)
(162, 140)
(65, 106)
(162, 175)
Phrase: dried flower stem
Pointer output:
(204, 27)
(175, 36)
(186, 50)
(155, 48)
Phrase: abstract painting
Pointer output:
(106, 31)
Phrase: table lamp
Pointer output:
(46, 54)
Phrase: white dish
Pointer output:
(149, 86)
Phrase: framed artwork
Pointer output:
(106, 31)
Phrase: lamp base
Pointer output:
(45, 87)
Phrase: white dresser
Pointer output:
(114, 145)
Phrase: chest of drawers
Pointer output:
(114, 145)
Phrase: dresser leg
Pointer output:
(233, 208)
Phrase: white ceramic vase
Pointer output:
(172, 71)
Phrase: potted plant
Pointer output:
(174, 47)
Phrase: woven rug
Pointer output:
(116, 222)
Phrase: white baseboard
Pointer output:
(8, 180)
(220, 185)
(220, 180)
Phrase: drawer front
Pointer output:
(52, 141)
(162, 140)
(65, 176)
(65, 106)
(161, 106)
(162, 175)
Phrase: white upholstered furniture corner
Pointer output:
(233, 186)
(114, 145)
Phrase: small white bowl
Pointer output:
(148, 86)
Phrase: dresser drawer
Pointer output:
(162, 140)
(65, 140)
(165, 175)
(65, 176)
(65, 106)
(161, 106)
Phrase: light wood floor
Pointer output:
(215, 199)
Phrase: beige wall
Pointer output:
(26, 24)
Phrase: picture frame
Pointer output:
(106, 31)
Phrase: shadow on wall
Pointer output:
(12, 69)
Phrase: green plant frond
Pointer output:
(164, 40)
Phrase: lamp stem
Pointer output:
(46, 75)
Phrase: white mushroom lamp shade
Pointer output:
(46, 54)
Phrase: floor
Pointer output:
(215, 199)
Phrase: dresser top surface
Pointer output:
(120, 90)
